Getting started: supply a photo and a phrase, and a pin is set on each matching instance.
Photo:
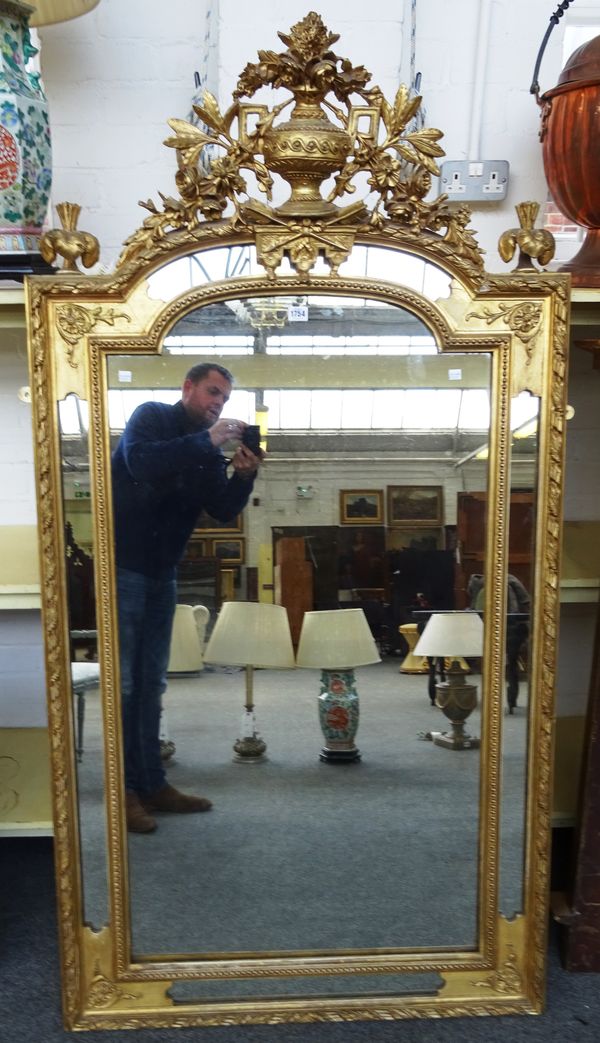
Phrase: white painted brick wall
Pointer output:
(113, 79)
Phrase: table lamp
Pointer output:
(452, 635)
(335, 641)
(251, 634)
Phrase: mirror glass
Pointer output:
(520, 621)
(364, 420)
(83, 645)
(472, 525)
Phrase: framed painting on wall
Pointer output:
(230, 551)
(415, 539)
(207, 524)
(414, 505)
(361, 507)
(197, 547)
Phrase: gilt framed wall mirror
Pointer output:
(412, 408)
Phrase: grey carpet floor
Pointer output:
(298, 854)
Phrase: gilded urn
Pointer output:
(304, 151)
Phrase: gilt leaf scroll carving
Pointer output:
(377, 139)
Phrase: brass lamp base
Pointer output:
(456, 700)
(454, 741)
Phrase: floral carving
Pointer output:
(399, 161)
(523, 319)
(308, 63)
(104, 993)
(507, 979)
(74, 322)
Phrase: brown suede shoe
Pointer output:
(138, 819)
(170, 799)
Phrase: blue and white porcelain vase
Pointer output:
(25, 149)
(338, 715)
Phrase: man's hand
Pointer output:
(225, 431)
(245, 463)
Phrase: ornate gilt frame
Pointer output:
(76, 322)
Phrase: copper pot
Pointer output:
(570, 135)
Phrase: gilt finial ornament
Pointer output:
(533, 243)
(68, 243)
(340, 127)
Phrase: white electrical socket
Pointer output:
(472, 180)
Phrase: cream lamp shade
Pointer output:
(249, 633)
(451, 634)
(47, 12)
(336, 638)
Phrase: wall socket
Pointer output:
(471, 181)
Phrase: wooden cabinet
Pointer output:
(471, 535)
(293, 581)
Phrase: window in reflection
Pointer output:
(234, 261)
(73, 415)
(320, 409)
(323, 409)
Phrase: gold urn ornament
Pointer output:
(305, 151)
(307, 148)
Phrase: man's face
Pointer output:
(204, 401)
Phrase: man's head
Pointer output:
(205, 391)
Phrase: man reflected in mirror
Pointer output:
(518, 610)
(168, 467)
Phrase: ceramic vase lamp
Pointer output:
(25, 147)
(251, 634)
(336, 641)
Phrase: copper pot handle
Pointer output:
(554, 20)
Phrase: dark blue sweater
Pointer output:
(165, 472)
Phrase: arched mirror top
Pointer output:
(217, 263)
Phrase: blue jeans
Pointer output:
(146, 610)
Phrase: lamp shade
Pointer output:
(451, 634)
(249, 633)
(336, 638)
(46, 12)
